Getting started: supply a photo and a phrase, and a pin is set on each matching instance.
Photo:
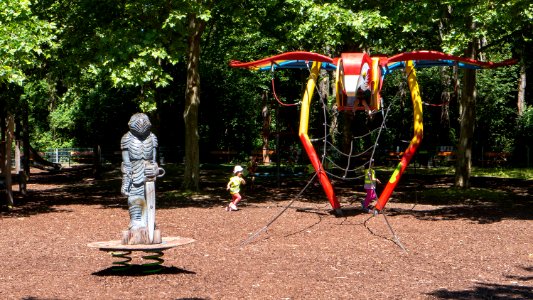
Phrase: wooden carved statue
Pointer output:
(140, 170)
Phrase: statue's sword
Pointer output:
(149, 189)
(150, 207)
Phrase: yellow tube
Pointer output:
(376, 74)
(308, 95)
(308, 146)
(418, 134)
(338, 85)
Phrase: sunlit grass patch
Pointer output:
(500, 172)
(462, 196)
(520, 173)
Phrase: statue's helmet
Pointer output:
(140, 124)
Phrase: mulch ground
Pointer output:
(467, 249)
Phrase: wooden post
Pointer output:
(265, 112)
(25, 141)
(17, 156)
(2, 153)
(7, 164)
(18, 168)
(3, 130)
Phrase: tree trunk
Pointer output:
(444, 134)
(467, 112)
(446, 80)
(521, 102)
(267, 119)
(17, 156)
(97, 161)
(3, 129)
(347, 132)
(192, 102)
(25, 140)
(7, 164)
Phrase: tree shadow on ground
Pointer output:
(523, 278)
(74, 186)
(490, 200)
(485, 214)
(487, 291)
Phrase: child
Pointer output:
(365, 105)
(370, 187)
(361, 101)
(234, 187)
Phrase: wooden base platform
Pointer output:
(153, 256)
(116, 245)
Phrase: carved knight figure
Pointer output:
(139, 166)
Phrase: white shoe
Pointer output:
(232, 207)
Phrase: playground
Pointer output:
(475, 245)
(333, 150)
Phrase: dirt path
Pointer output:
(465, 250)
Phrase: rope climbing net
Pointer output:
(337, 163)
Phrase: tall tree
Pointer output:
(522, 83)
(136, 46)
(467, 120)
(25, 42)
(196, 26)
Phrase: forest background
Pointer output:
(73, 72)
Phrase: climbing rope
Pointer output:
(274, 90)
(435, 105)
(350, 155)
(257, 233)
(396, 239)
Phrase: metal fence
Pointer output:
(69, 156)
(73, 156)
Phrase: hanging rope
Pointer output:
(349, 157)
(379, 133)
(257, 233)
(396, 239)
(274, 90)
(438, 105)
